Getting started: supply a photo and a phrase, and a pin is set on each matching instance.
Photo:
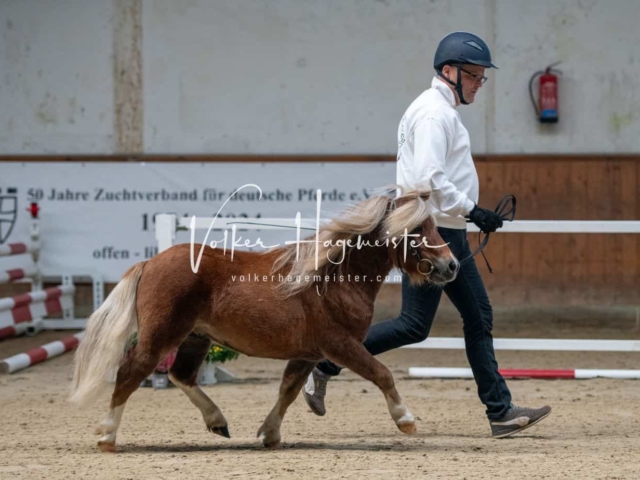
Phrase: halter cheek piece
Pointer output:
(416, 254)
(414, 251)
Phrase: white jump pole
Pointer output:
(419, 372)
(165, 231)
(539, 344)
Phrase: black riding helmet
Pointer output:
(458, 48)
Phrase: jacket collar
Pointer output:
(444, 90)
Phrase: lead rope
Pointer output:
(507, 210)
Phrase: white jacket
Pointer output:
(433, 147)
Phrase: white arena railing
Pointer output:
(167, 225)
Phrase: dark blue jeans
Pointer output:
(419, 305)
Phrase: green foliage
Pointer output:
(220, 354)
(215, 354)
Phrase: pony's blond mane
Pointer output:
(360, 219)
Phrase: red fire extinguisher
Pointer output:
(547, 105)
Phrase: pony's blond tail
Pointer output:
(101, 350)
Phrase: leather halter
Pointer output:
(414, 251)
(506, 209)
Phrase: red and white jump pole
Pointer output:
(19, 261)
(420, 372)
(14, 274)
(535, 344)
(18, 248)
(16, 313)
(40, 354)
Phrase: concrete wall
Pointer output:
(304, 76)
(600, 86)
(56, 81)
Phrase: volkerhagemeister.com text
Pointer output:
(333, 278)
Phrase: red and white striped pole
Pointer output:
(40, 354)
(18, 273)
(419, 372)
(16, 312)
(18, 248)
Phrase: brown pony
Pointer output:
(280, 316)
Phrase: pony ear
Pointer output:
(424, 191)
(423, 194)
(400, 201)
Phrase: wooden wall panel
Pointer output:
(576, 269)
(562, 243)
(527, 195)
(546, 263)
(511, 280)
(613, 243)
(577, 210)
(630, 175)
(596, 210)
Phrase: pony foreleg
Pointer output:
(353, 355)
(293, 379)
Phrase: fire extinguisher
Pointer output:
(546, 107)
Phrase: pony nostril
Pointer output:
(453, 266)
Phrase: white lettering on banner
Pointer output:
(100, 216)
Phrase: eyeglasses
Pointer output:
(474, 77)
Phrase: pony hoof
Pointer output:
(272, 446)
(107, 447)
(408, 428)
(271, 443)
(222, 431)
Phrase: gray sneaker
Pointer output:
(314, 391)
(517, 419)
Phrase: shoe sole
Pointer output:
(523, 428)
(312, 407)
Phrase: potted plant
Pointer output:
(206, 375)
(216, 356)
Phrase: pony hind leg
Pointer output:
(153, 345)
(353, 355)
(184, 374)
(139, 366)
(295, 374)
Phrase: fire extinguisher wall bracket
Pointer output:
(546, 107)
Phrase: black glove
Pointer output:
(485, 220)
